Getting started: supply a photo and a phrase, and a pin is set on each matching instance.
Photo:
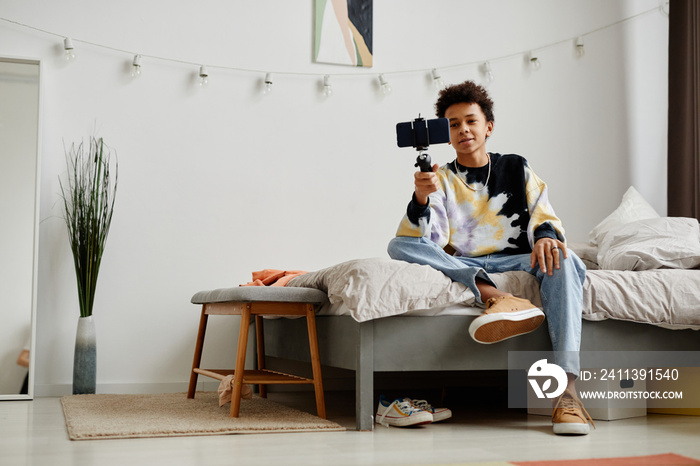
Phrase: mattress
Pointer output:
(375, 288)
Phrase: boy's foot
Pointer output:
(568, 416)
(439, 414)
(505, 317)
(400, 413)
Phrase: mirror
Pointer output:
(19, 210)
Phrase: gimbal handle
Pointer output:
(423, 161)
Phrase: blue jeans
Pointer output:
(562, 293)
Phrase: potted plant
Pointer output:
(88, 200)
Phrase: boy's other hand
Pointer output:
(547, 253)
(426, 183)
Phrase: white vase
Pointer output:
(85, 358)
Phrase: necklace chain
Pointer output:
(464, 180)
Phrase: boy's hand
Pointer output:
(426, 183)
(546, 253)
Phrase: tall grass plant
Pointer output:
(88, 199)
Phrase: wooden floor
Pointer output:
(33, 433)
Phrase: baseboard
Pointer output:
(334, 379)
(57, 390)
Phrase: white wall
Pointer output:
(215, 183)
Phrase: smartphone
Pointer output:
(420, 133)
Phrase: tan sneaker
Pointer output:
(568, 416)
(505, 317)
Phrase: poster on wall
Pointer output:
(343, 32)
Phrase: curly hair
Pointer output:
(468, 92)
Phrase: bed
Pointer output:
(641, 293)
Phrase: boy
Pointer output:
(494, 212)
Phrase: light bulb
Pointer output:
(437, 80)
(580, 50)
(534, 62)
(203, 76)
(384, 85)
(268, 84)
(488, 72)
(69, 50)
(327, 87)
(136, 66)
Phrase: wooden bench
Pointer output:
(258, 301)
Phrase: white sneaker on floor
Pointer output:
(439, 414)
(400, 413)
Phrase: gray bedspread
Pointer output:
(376, 287)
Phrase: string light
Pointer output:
(268, 84)
(488, 72)
(580, 50)
(534, 61)
(203, 76)
(384, 85)
(437, 80)
(136, 67)
(327, 87)
(69, 51)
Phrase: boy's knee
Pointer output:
(573, 266)
(397, 247)
(401, 247)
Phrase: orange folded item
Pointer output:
(273, 277)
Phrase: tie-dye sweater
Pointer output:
(507, 216)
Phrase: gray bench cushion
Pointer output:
(251, 294)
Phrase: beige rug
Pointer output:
(90, 417)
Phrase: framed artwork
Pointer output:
(343, 32)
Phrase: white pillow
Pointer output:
(668, 242)
(632, 208)
(383, 287)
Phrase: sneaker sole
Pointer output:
(492, 328)
(441, 415)
(571, 428)
(412, 420)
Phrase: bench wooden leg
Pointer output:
(315, 361)
(240, 362)
(197, 354)
(260, 340)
